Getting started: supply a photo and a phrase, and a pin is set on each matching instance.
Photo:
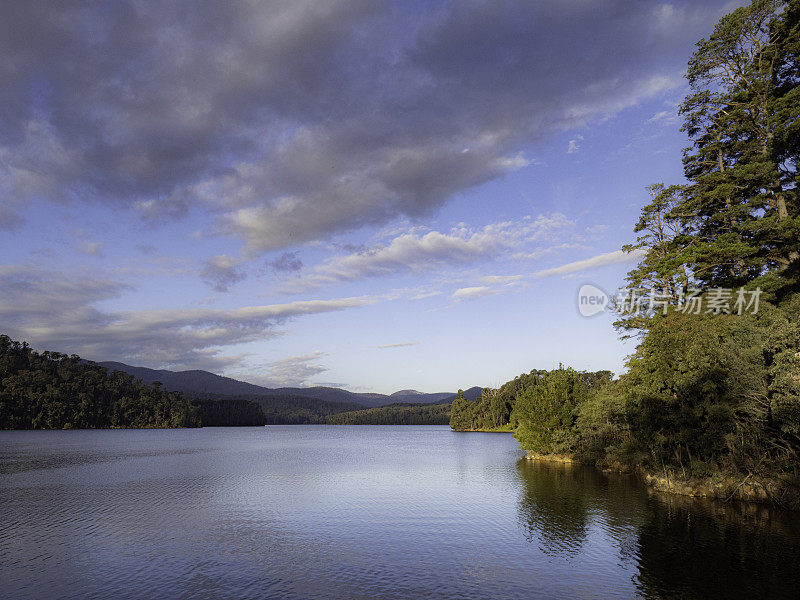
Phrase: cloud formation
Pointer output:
(221, 272)
(601, 260)
(471, 293)
(294, 120)
(55, 312)
(416, 251)
(295, 371)
(288, 262)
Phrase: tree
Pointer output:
(741, 117)
(737, 220)
(460, 413)
(545, 412)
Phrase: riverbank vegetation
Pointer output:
(711, 399)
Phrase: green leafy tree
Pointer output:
(546, 409)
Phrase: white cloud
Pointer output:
(574, 144)
(417, 252)
(397, 345)
(294, 371)
(594, 262)
(665, 118)
(470, 293)
(296, 120)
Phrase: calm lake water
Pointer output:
(359, 512)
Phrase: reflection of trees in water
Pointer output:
(683, 547)
(554, 509)
(695, 549)
(560, 501)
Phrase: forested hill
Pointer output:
(202, 382)
(396, 414)
(194, 381)
(49, 390)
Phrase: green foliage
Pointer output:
(783, 352)
(602, 424)
(493, 408)
(460, 413)
(546, 412)
(56, 391)
(694, 386)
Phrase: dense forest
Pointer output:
(712, 393)
(279, 409)
(396, 414)
(493, 409)
(49, 390)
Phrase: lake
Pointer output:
(360, 512)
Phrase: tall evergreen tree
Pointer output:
(737, 220)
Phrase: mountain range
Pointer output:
(204, 383)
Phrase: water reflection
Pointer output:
(359, 512)
(680, 547)
(705, 549)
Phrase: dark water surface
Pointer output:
(359, 512)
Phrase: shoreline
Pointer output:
(770, 493)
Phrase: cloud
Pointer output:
(288, 262)
(502, 279)
(601, 260)
(295, 371)
(221, 272)
(293, 120)
(55, 312)
(471, 293)
(418, 252)
(574, 144)
(397, 345)
(665, 118)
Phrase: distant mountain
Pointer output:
(197, 382)
(470, 394)
(415, 397)
(207, 384)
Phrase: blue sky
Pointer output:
(364, 194)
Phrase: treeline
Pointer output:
(273, 409)
(49, 390)
(712, 393)
(228, 412)
(396, 414)
(494, 408)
